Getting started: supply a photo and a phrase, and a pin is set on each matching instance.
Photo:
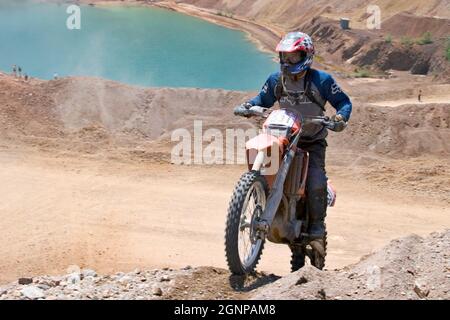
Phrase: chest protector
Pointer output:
(304, 98)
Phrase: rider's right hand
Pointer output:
(243, 110)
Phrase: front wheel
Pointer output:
(243, 244)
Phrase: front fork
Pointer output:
(259, 161)
(276, 194)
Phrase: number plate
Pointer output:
(281, 118)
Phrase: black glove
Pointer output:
(243, 110)
(339, 123)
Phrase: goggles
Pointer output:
(292, 57)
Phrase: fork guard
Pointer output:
(276, 194)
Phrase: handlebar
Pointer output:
(253, 111)
(328, 123)
(319, 120)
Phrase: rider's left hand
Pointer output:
(340, 123)
(338, 118)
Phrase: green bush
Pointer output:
(362, 73)
(224, 14)
(426, 39)
(447, 50)
(407, 41)
(388, 39)
(319, 58)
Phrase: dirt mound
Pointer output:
(406, 24)
(91, 115)
(409, 130)
(27, 109)
(141, 112)
(418, 59)
(408, 268)
(75, 113)
(202, 283)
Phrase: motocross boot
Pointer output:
(317, 213)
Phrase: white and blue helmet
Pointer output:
(296, 51)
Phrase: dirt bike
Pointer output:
(269, 201)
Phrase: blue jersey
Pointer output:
(321, 81)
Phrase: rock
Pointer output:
(43, 286)
(187, 268)
(421, 290)
(25, 281)
(89, 279)
(156, 291)
(73, 278)
(88, 273)
(143, 286)
(125, 279)
(32, 292)
(73, 269)
(48, 282)
(164, 278)
(410, 272)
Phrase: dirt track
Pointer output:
(86, 179)
(116, 217)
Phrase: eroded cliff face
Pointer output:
(290, 13)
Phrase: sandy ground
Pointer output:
(112, 216)
(83, 182)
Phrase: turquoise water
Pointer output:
(135, 45)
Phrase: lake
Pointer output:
(135, 45)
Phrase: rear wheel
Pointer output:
(243, 244)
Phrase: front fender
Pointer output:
(261, 142)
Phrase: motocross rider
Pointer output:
(301, 89)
